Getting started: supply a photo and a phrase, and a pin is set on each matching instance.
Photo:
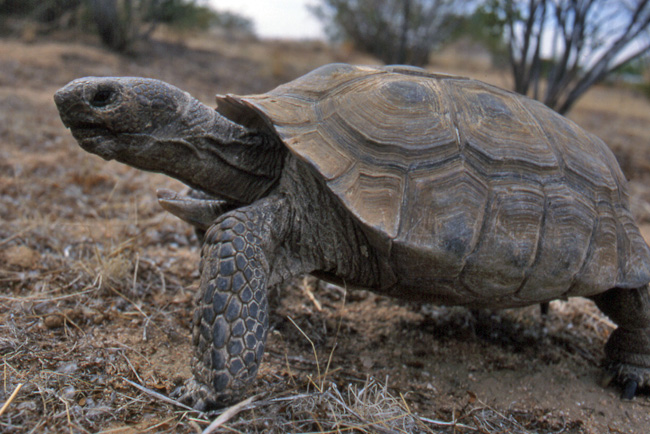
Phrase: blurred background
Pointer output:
(554, 50)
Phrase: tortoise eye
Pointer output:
(102, 98)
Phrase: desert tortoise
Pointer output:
(421, 186)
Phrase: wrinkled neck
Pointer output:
(213, 154)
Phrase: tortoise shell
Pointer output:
(490, 192)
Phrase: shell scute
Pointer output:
(600, 269)
(568, 225)
(509, 241)
(322, 82)
(373, 120)
(500, 137)
(446, 223)
(373, 196)
(586, 159)
(322, 153)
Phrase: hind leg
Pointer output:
(628, 348)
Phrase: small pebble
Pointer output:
(53, 321)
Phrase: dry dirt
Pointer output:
(97, 282)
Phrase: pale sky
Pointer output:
(276, 18)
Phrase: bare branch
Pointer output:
(396, 31)
(589, 39)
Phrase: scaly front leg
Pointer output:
(231, 320)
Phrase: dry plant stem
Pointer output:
(39, 298)
(227, 415)
(11, 398)
(161, 274)
(289, 370)
(134, 304)
(336, 336)
(408, 409)
(365, 423)
(160, 396)
(16, 235)
(69, 320)
(313, 347)
(164, 422)
(308, 292)
(451, 424)
(135, 273)
(128, 361)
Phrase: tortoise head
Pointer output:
(122, 117)
(152, 125)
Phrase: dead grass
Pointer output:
(97, 283)
(360, 408)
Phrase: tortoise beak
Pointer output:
(86, 107)
(69, 102)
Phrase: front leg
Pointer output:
(231, 320)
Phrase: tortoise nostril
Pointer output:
(102, 98)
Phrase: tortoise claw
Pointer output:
(629, 389)
(631, 378)
(194, 395)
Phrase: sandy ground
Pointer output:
(97, 283)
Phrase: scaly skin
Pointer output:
(628, 348)
(231, 320)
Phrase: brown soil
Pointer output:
(97, 283)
